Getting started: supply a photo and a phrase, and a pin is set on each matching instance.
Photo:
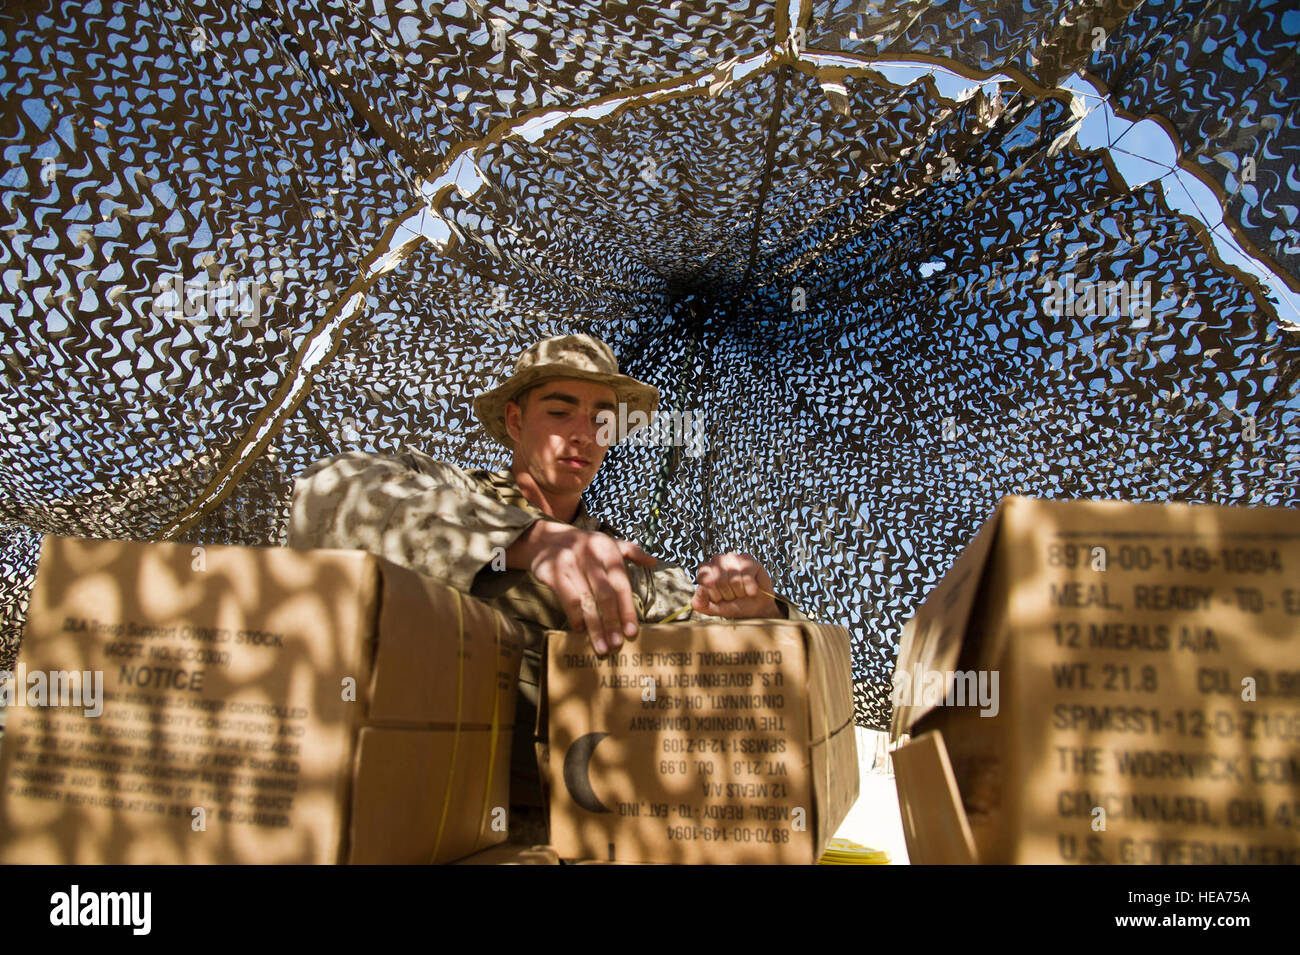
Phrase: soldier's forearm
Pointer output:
(520, 554)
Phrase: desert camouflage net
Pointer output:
(237, 237)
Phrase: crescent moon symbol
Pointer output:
(577, 772)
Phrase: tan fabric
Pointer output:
(452, 524)
(437, 519)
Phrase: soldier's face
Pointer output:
(557, 437)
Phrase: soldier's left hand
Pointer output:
(733, 585)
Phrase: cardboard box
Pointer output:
(1099, 681)
(934, 822)
(509, 854)
(701, 742)
(260, 705)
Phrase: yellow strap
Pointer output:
(460, 699)
(675, 614)
(492, 746)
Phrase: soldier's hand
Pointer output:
(733, 585)
(585, 569)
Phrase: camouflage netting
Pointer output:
(371, 207)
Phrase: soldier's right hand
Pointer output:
(585, 569)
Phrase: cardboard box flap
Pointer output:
(833, 750)
(425, 796)
(830, 681)
(932, 639)
(835, 782)
(934, 820)
(412, 641)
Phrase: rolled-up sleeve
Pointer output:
(422, 514)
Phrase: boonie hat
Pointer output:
(564, 356)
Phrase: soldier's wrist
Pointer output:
(521, 554)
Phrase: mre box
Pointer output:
(244, 704)
(1107, 682)
(701, 742)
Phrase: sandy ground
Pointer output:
(874, 819)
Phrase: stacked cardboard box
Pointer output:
(701, 742)
(1098, 681)
(242, 704)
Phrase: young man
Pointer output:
(520, 538)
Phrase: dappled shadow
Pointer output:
(247, 684)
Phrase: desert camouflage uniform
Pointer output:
(449, 523)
